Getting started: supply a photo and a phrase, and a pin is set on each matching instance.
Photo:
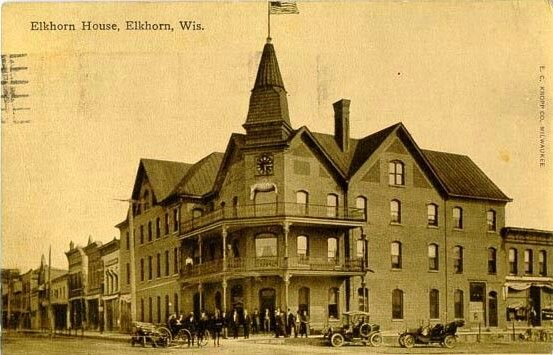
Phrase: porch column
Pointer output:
(286, 230)
(286, 286)
(200, 248)
(224, 236)
(200, 288)
(224, 284)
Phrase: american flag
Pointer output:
(282, 8)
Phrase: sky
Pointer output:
(463, 77)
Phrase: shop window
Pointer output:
(490, 217)
(433, 260)
(458, 218)
(397, 304)
(363, 299)
(333, 302)
(458, 259)
(492, 261)
(396, 173)
(434, 300)
(432, 214)
(395, 211)
(396, 255)
(513, 261)
(458, 299)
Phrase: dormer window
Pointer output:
(396, 173)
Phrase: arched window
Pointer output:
(331, 205)
(432, 212)
(396, 255)
(397, 304)
(303, 299)
(458, 217)
(434, 300)
(302, 201)
(490, 217)
(513, 261)
(458, 259)
(492, 261)
(302, 247)
(333, 302)
(363, 299)
(396, 173)
(150, 231)
(528, 261)
(395, 211)
(332, 248)
(458, 300)
(158, 228)
(361, 206)
(542, 263)
(433, 257)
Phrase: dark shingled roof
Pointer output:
(200, 178)
(268, 73)
(164, 175)
(462, 177)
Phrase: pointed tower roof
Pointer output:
(268, 73)
(268, 121)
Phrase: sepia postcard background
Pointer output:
(463, 77)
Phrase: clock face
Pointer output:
(264, 164)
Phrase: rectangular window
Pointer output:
(175, 219)
(158, 228)
(490, 216)
(433, 257)
(458, 260)
(396, 255)
(176, 261)
(542, 260)
(150, 273)
(459, 304)
(434, 304)
(332, 249)
(397, 304)
(457, 218)
(158, 265)
(167, 263)
(331, 205)
(513, 267)
(492, 267)
(528, 261)
(360, 249)
(265, 247)
(432, 215)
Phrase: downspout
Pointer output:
(446, 259)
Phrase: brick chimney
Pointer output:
(341, 123)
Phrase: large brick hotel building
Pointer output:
(290, 218)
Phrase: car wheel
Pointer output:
(365, 330)
(376, 339)
(409, 341)
(337, 340)
(449, 341)
(401, 340)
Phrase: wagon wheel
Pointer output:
(337, 340)
(449, 341)
(409, 341)
(183, 337)
(166, 334)
(376, 339)
(401, 340)
(205, 339)
(365, 330)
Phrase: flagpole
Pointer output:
(268, 21)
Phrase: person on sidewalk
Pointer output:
(292, 324)
(304, 321)
(255, 321)
(217, 327)
(247, 324)
(235, 323)
(267, 321)
(226, 322)
(278, 323)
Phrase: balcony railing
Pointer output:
(272, 263)
(276, 209)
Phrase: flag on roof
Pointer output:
(283, 7)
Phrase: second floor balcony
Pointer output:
(307, 213)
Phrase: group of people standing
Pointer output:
(220, 324)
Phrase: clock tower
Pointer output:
(268, 123)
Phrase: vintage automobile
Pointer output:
(355, 329)
(445, 336)
(143, 333)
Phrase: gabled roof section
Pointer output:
(163, 176)
(236, 141)
(462, 177)
(200, 178)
